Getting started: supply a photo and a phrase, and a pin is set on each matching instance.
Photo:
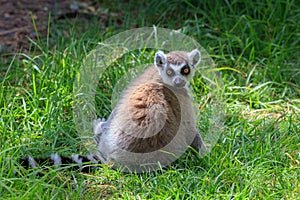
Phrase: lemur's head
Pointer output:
(177, 68)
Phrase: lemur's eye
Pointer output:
(169, 72)
(185, 70)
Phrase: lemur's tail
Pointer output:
(82, 163)
(79, 162)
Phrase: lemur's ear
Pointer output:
(160, 59)
(195, 57)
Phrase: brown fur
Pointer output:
(177, 57)
(143, 99)
(149, 101)
(144, 103)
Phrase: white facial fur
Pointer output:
(177, 68)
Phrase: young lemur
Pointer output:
(153, 120)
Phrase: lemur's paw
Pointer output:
(97, 125)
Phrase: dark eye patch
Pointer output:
(185, 70)
(169, 72)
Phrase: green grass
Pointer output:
(256, 47)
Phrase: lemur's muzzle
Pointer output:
(179, 82)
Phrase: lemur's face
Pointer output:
(177, 68)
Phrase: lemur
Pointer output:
(153, 120)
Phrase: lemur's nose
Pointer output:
(179, 82)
